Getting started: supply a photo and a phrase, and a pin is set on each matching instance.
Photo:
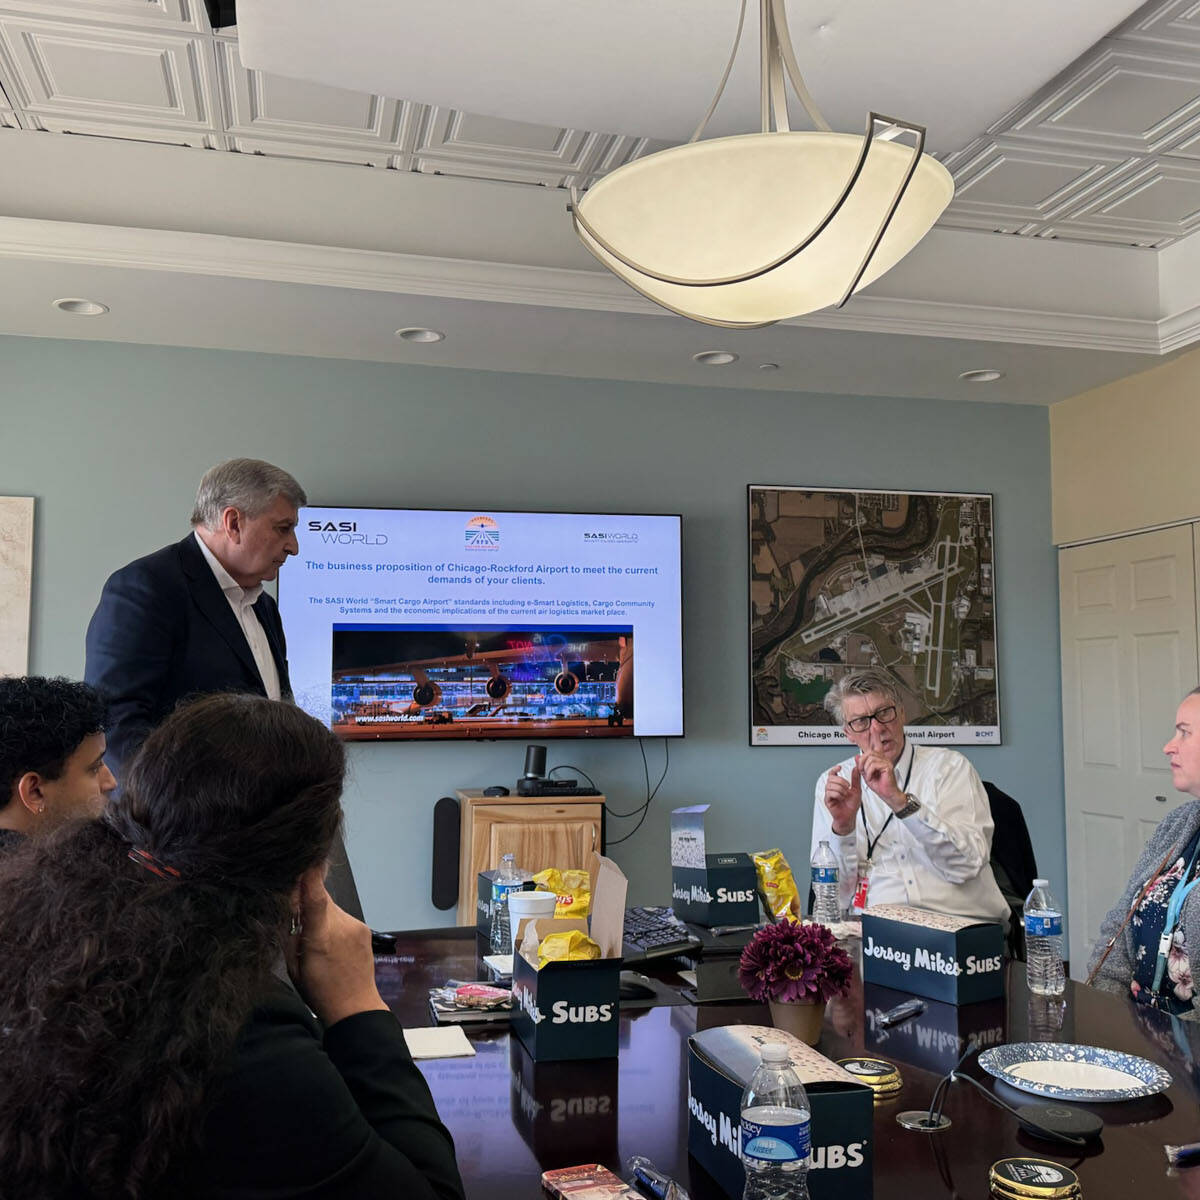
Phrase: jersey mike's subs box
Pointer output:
(709, 889)
(921, 953)
(720, 1064)
(571, 1009)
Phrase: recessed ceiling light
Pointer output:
(988, 376)
(80, 308)
(714, 358)
(768, 366)
(416, 334)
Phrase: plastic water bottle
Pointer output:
(827, 907)
(1043, 942)
(508, 879)
(775, 1130)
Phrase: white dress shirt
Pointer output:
(241, 600)
(936, 859)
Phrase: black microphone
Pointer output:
(1055, 1123)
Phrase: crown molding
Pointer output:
(990, 323)
(555, 287)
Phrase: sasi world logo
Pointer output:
(482, 534)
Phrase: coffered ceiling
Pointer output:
(137, 151)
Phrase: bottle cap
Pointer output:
(1041, 883)
(1033, 1177)
(775, 1052)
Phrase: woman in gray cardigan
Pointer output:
(1156, 957)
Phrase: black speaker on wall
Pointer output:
(444, 890)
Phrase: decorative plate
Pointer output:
(1074, 1072)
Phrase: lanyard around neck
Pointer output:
(1182, 890)
(872, 842)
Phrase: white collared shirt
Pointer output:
(241, 600)
(938, 858)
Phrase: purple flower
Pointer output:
(794, 962)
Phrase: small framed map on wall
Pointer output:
(903, 582)
(16, 580)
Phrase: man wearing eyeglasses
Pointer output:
(908, 824)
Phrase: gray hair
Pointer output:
(247, 484)
(866, 682)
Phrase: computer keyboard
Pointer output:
(652, 932)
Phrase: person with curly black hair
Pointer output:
(153, 1044)
(51, 755)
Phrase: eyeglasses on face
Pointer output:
(885, 716)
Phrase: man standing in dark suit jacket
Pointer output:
(192, 617)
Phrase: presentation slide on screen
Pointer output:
(412, 624)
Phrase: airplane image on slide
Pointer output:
(396, 682)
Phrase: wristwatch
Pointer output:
(913, 805)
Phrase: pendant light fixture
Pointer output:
(748, 230)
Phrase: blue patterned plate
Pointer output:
(1074, 1072)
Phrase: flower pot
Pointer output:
(800, 1020)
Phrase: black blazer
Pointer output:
(163, 630)
(335, 1114)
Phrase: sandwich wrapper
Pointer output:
(569, 1009)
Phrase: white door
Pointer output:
(1128, 630)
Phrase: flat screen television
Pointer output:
(416, 624)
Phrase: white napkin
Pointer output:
(440, 1041)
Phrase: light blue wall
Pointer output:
(112, 439)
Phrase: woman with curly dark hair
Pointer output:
(151, 1044)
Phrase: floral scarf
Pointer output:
(1146, 925)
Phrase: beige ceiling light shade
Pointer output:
(744, 231)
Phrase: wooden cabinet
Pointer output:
(541, 831)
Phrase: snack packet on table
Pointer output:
(572, 887)
(777, 885)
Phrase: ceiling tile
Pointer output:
(1160, 200)
(138, 14)
(1128, 99)
(259, 105)
(1029, 183)
(457, 143)
(70, 71)
(1176, 22)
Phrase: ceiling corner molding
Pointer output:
(554, 287)
(1180, 330)
(990, 323)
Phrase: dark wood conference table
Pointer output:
(512, 1118)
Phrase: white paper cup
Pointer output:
(528, 904)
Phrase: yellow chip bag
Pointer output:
(777, 884)
(575, 946)
(572, 887)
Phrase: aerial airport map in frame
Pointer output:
(901, 581)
